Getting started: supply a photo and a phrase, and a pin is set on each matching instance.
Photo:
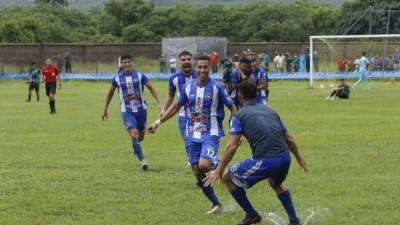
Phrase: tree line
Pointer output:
(142, 21)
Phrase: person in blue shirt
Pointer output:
(363, 65)
(265, 61)
(130, 84)
(237, 76)
(260, 77)
(204, 98)
(270, 144)
(175, 83)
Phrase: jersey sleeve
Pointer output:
(235, 77)
(282, 126)
(223, 96)
(144, 79)
(171, 86)
(114, 82)
(263, 75)
(236, 126)
(183, 98)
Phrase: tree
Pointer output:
(52, 2)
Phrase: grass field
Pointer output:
(72, 168)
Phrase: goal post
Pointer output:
(350, 46)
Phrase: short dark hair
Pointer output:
(126, 56)
(253, 60)
(244, 60)
(203, 57)
(33, 63)
(364, 53)
(248, 90)
(185, 53)
(341, 79)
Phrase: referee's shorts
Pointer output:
(51, 88)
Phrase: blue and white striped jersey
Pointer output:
(130, 88)
(258, 76)
(205, 108)
(176, 82)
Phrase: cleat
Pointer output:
(295, 223)
(145, 165)
(215, 209)
(250, 220)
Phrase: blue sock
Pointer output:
(137, 150)
(208, 191)
(239, 194)
(287, 203)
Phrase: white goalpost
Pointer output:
(382, 45)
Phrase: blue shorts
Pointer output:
(182, 120)
(207, 149)
(248, 172)
(135, 120)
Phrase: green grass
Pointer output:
(72, 168)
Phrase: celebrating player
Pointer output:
(363, 64)
(51, 75)
(130, 84)
(205, 99)
(270, 143)
(237, 76)
(175, 83)
(34, 81)
(258, 75)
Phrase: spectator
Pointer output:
(265, 61)
(172, 64)
(396, 60)
(67, 62)
(316, 60)
(235, 61)
(162, 63)
(295, 63)
(214, 59)
(351, 66)
(342, 63)
(307, 55)
(302, 63)
(342, 91)
(278, 60)
(289, 62)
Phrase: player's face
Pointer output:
(49, 62)
(253, 66)
(244, 67)
(203, 69)
(126, 64)
(186, 63)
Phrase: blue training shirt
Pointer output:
(262, 127)
(363, 63)
(205, 108)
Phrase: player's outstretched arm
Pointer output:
(171, 111)
(167, 102)
(229, 152)
(155, 95)
(295, 151)
(109, 97)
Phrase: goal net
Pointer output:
(333, 57)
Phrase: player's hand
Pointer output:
(152, 128)
(302, 163)
(104, 116)
(211, 177)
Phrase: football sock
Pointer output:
(208, 191)
(29, 98)
(287, 203)
(137, 149)
(239, 194)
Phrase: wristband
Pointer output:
(158, 122)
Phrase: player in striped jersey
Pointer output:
(130, 84)
(258, 75)
(175, 83)
(205, 99)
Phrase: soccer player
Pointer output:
(175, 83)
(34, 81)
(51, 75)
(270, 144)
(205, 99)
(258, 75)
(237, 76)
(363, 64)
(130, 84)
(342, 91)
